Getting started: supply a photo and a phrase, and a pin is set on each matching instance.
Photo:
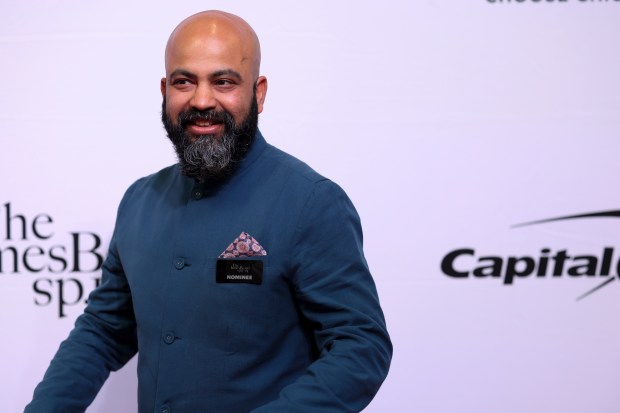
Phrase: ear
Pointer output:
(162, 86)
(261, 92)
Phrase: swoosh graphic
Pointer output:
(598, 287)
(603, 214)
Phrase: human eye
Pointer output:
(181, 82)
(224, 83)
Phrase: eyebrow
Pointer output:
(216, 74)
(226, 72)
(182, 72)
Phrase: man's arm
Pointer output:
(103, 340)
(337, 295)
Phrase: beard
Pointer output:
(209, 158)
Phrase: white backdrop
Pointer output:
(447, 122)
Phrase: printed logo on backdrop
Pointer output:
(59, 266)
(561, 263)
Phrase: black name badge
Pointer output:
(239, 271)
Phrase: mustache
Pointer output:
(192, 115)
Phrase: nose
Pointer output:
(203, 97)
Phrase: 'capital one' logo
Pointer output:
(557, 263)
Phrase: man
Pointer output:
(237, 275)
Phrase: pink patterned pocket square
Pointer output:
(243, 246)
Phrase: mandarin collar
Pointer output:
(201, 190)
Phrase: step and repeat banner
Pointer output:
(478, 139)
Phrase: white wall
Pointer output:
(447, 122)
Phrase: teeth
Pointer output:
(203, 123)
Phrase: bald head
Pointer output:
(213, 62)
(216, 29)
(212, 89)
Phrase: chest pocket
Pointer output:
(244, 295)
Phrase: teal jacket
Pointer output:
(295, 328)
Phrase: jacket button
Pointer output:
(168, 338)
(179, 263)
(165, 409)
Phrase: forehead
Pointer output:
(208, 48)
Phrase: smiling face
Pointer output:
(212, 93)
(212, 64)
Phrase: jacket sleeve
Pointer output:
(102, 340)
(337, 296)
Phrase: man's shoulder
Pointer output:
(164, 176)
(164, 181)
(293, 167)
